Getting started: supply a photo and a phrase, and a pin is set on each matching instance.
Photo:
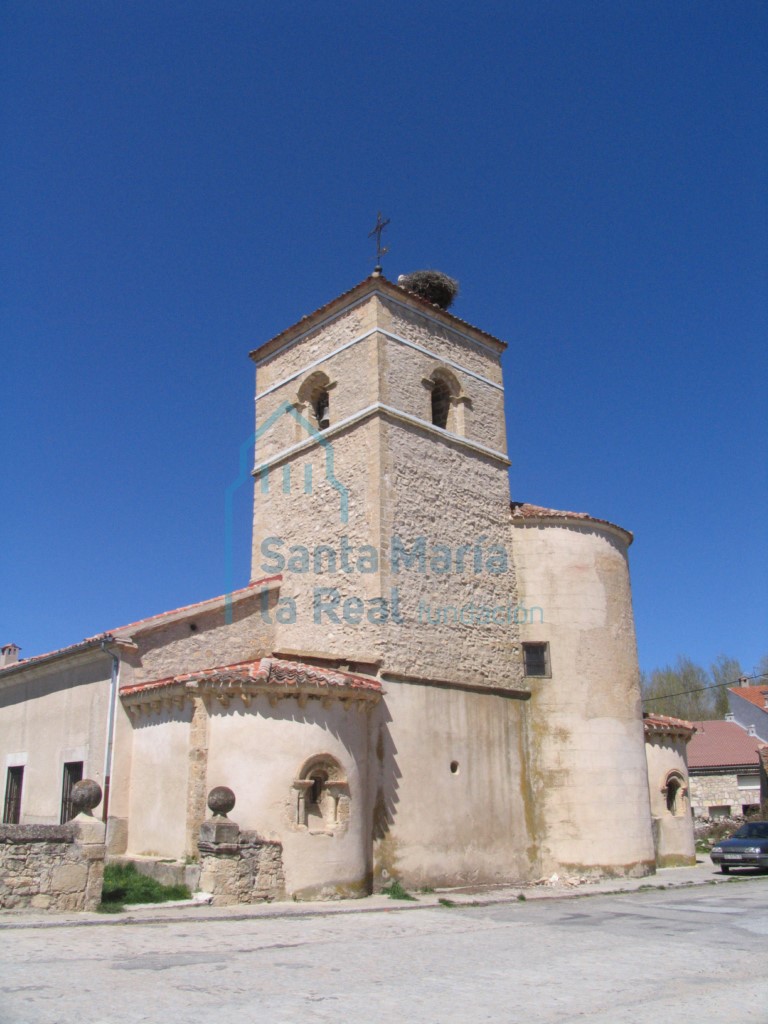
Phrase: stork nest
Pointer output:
(432, 285)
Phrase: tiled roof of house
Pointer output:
(110, 636)
(264, 672)
(524, 510)
(653, 723)
(719, 744)
(757, 695)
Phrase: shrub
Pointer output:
(396, 891)
(124, 884)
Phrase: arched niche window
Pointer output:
(675, 792)
(314, 399)
(447, 402)
(441, 403)
(322, 795)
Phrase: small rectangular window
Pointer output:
(12, 807)
(73, 772)
(748, 781)
(536, 659)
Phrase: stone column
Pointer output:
(197, 773)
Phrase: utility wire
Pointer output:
(700, 689)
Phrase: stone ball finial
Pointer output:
(432, 285)
(86, 795)
(221, 800)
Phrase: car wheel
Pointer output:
(725, 868)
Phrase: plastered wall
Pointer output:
(452, 804)
(585, 733)
(51, 714)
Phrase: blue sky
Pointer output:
(180, 181)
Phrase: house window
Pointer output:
(744, 781)
(73, 772)
(441, 403)
(12, 807)
(536, 659)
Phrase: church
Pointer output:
(424, 680)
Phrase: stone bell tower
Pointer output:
(381, 488)
(382, 499)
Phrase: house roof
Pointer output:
(522, 510)
(262, 674)
(719, 744)
(369, 285)
(124, 632)
(757, 695)
(667, 725)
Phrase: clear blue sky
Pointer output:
(180, 181)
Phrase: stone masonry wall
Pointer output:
(48, 868)
(249, 872)
(719, 791)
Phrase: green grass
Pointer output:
(395, 891)
(124, 884)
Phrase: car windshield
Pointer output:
(755, 830)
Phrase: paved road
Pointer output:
(694, 955)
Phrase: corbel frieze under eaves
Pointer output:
(219, 694)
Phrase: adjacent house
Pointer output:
(724, 766)
(748, 707)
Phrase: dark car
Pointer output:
(747, 848)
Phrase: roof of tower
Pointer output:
(370, 285)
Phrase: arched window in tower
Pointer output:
(321, 407)
(441, 403)
(447, 400)
(314, 399)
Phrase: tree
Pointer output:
(725, 672)
(686, 690)
(679, 690)
(761, 669)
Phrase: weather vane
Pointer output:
(380, 250)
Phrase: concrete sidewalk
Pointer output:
(704, 873)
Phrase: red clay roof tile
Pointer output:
(719, 744)
(267, 671)
(757, 695)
